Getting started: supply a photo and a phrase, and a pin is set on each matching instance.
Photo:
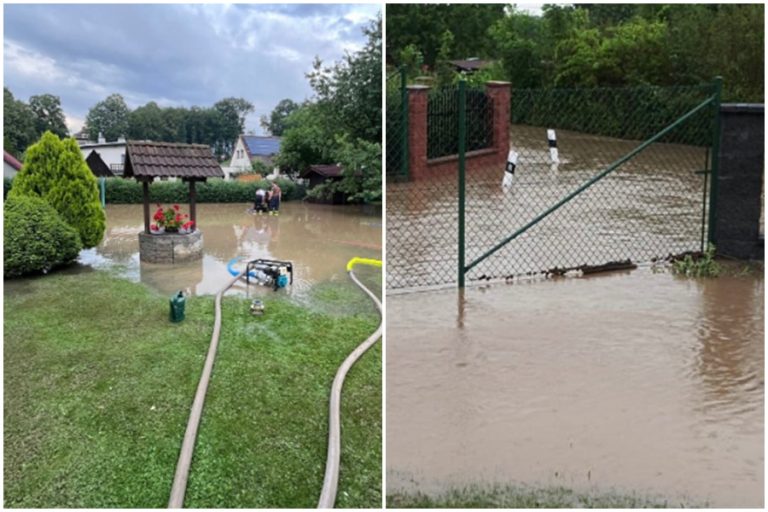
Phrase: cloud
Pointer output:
(176, 55)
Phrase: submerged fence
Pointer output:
(590, 180)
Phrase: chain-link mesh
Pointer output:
(397, 128)
(650, 206)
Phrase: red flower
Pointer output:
(153, 227)
(178, 218)
(176, 207)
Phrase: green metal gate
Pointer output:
(629, 183)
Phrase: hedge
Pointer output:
(128, 191)
(36, 238)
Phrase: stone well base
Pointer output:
(170, 248)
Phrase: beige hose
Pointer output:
(188, 445)
(331, 480)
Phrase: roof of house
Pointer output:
(327, 171)
(470, 64)
(144, 159)
(11, 160)
(97, 165)
(257, 145)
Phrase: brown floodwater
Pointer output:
(634, 381)
(318, 239)
(650, 207)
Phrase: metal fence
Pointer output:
(597, 176)
(397, 127)
(443, 121)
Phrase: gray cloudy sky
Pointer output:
(176, 54)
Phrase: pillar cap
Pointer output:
(417, 87)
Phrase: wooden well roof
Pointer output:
(97, 165)
(144, 160)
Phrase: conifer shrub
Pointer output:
(55, 171)
(35, 237)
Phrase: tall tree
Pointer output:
(108, 117)
(18, 124)
(275, 123)
(48, 114)
(351, 89)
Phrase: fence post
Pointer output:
(462, 150)
(713, 176)
(404, 120)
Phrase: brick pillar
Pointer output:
(418, 98)
(740, 181)
(501, 94)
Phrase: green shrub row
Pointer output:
(35, 237)
(128, 191)
(634, 113)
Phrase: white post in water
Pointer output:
(552, 139)
(509, 170)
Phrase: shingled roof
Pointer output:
(170, 159)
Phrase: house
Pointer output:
(10, 165)
(250, 148)
(319, 174)
(470, 65)
(98, 167)
(112, 153)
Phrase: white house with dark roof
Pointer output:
(254, 147)
(112, 153)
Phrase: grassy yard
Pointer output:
(98, 385)
(525, 497)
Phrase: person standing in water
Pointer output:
(274, 199)
(261, 200)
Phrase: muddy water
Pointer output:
(319, 239)
(650, 207)
(634, 382)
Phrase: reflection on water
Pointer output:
(319, 239)
(631, 381)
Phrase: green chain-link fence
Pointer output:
(624, 179)
(397, 127)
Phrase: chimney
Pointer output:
(101, 139)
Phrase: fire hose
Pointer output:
(331, 479)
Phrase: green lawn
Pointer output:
(98, 385)
(525, 497)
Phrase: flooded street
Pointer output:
(318, 239)
(650, 207)
(637, 382)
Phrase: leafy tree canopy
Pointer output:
(275, 123)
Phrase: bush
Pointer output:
(36, 238)
(55, 171)
(124, 191)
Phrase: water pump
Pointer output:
(275, 273)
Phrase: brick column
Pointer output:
(501, 94)
(418, 98)
(740, 181)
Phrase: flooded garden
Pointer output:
(638, 383)
(318, 239)
(98, 382)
